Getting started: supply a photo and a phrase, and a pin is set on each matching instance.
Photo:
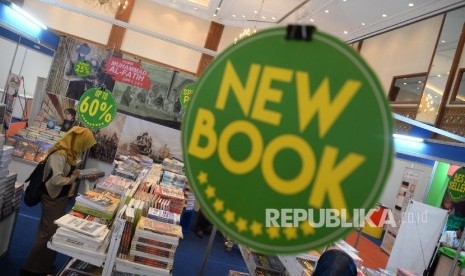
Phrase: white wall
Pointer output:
(404, 51)
(394, 181)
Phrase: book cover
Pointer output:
(160, 227)
(81, 225)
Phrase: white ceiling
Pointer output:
(350, 20)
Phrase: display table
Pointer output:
(446, 261)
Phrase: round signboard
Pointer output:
(457, 185)
(97, 108)
(287, 143)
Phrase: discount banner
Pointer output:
(97, 108)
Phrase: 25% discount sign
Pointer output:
(97, 108)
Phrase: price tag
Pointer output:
(97, 108)
(82, 68)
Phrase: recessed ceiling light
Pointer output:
(439, 75)
(419, 81)
(243, 16)
(363, 24)
(443, 41)
(195, 8)
(418, 88)
(384, 15)
(214, 14)
(263, 17)
(346, 32)
(326, 11)
(405, 83)
(234, 15)
(344, 0)
(217, 8)
(274, 18)
(410, 5)
(312, 20)
(255, 12)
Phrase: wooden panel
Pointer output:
(117, 33)
(453, 121)
(212, 41)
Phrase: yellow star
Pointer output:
(306, 228)
(256, 228)
(202, 177)
(229, 216)
(291, 233)
(218, 205)
(241, 224)
(273, 232)
(210, 191)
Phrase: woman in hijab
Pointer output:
(60, 164)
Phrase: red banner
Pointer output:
(128, 72)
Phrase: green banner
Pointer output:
(456, 186)
(287, 142)
(97, 108)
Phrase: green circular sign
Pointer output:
(97, 108)
(186, 95)
(457, 185)
(287, 143)
(82, 68)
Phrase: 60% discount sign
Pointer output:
(97, 108)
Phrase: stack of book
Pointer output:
(90, 173)
(154, 243)
(174, 195)
(5, 160)
(173, 165)
(9, 195)
(174, 179)
(115, 184)
(164, 216)
(266, 264)
(76, 267)
(153, 176)
(80, 233)
(190, 198)
(98, 202)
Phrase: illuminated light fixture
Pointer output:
(443, 41)
(409, 138)
(326, 11)
(111, 5)
(363, 24)
(234, 15)
(28, 16)
(248, 31)
(410, 5)
(274, 18)
(384, 15)
(346, 32)
(312, 20)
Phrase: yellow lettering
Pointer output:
(186, 99)
(249, 163)
(203, 127)
(307, 169)
(309, 106)
(231, 82)
(266, 94)
(330, 177)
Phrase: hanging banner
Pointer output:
(97, 108)
(128, 72)
(285, 150)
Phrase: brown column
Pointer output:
(213, 40)
(117, 33)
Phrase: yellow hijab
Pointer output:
(65, 146)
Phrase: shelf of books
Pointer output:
(129, 222)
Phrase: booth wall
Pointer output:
(438, 185)
(394, 181)
(404, 51)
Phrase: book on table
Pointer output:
(81, 225)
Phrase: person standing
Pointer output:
(60, 163)
(70, 119)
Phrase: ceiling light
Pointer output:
(243, 16)
(214, 14)
(312, 20)
(326, 11)
(384, 15)
(363, 24)
(419, 81)
(274, 18)
(263, 17)
(410, 5)
(255, 11)
(407, 137)
(346, 32)
(439, 75)
(405, 83)
(234, 15)
(195, 8)
(443, 41)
